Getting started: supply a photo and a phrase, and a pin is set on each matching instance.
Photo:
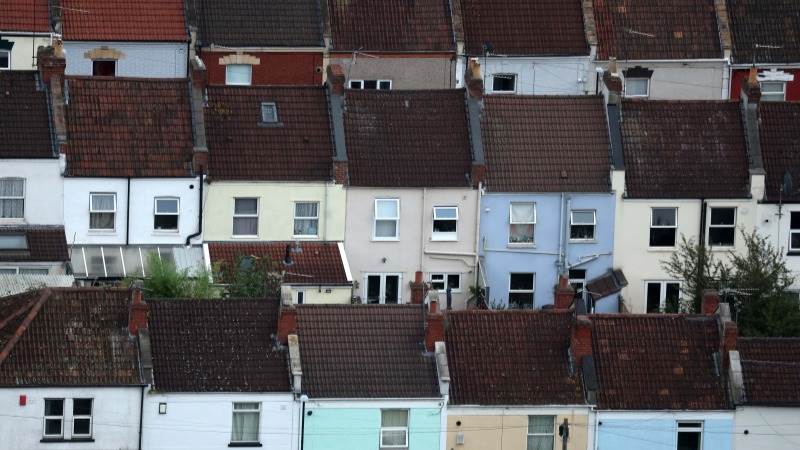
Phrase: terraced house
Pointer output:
(24, 27)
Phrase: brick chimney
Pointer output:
(710, 302)
(473, 79)
(751, 88)
(199, 81)
(137, 315)
(581, 340)
(417, 289)
(336, 79)
(434, 326)
(612, 81)
(52, 65)
(565, 294)
(341, 173)
(51, 62)
(730, 336)
(287, 323)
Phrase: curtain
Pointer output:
(385, 228)
(522, 212)
(386, 209)
(245, 426)
(305, 210)
(540, 432)
(12, 207)
(101, 221)
(245, 226)
(394, 419)
(102, 203)
(246, 206)
(11, 187)
(305, 227)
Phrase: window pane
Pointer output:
(52, 427)
(664, 217)
(12, 208)
(162, 222)
(393, 437)
(723, 216)
(245, 226)
(795, 220)
(305, 227)
(355, 84)
(636, 87)
(373, 289)
(581, 232)
(520, 300)
(583, 217)
(238, 74)
(540, 424)
(521, 281)
(13, 242)
(386, 209)
(5, 59)
(104, 68)
(245, 427)
(394, 418)
(721, 236)
(689, 441)
(113, 262)
(385, 228)
(133, 264)
(167, 205)
(521, 234)
(12, 187)
(653, 297)
(445, 213)
(370, 84)
(246, 406)
(102, 202)
(438, 281)
(54, 407)
(540, 442)
(32, 271)
(454, 282)
(246, 206)
(95, 262)
(504, 82)
(523, 213)
(662, 237)
(795, 241)
(269, 112)
(672, 297)
(101, 221)
(305, 209)
(392, 285)
(772, 87)
(384, 85)
(445, 226)
(82, 406)
(81, 426)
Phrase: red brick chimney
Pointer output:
(51, 62)
(611, 78)
(336, 79)
(751, 88)
(434, 326)
(581, 340)
(417, 289)
(287, 323)
(477, 173)
(565, 294)
(199, 80)
(341, 173)
(473, 79)
(137, 315)
(710, 302)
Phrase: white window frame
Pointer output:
(382, 286)
(772, 96)
(511, 223)
(359, 84)
(647, 85)
(662, 294)
(46, 418)
(227, 75)
(712, 226)
(793, 231)
(94, 211)
(83, 416)
(102, 60)
(12, 198)
(8, 67)
(573, 281)
(593, 224)
(296, 218)
(26, 270)
(552, 432)
(531, 291)
(257, 411)
(444, 236)
(396, 219)
(274, 118)
(17, 236)
(506, 74)
(176, 213)
(700, 427)
(405, 429)
(444, 278)
(675, 227)
(245, 216)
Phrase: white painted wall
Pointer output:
(777, 230)
(23, 53)
(316, 295)
(142, 193)
(767, 428)
(141, 59)
(414, 250)
(539, 76)
(44, 190)
(115, 417)
(199, 421)
(682, 80)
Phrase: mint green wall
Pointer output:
(359, 429)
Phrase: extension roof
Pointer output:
(391, 25)
(684, 149)
(67, 337)
(317, 263)
(121, 127)
(524, 28)
(771, 370)
(546, 144)
(46, 243)
(124, 20)
(780, 148)
(24, 120)
(407, 138)
(25, 15)
(771, 23)
(365, 351)
(216, 345)
(654, 29)
(258, 23)
(241, 147)
(511, 358)
(658, 362)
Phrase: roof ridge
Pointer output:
(24, 325)
(28, 305)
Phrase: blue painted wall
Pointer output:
(618, 434)
(499, 259)
(359, 429)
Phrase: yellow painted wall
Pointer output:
(502, 432)
(24, 51)
(339, 295)
(276, 209)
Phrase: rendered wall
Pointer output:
(767, 428)
(412, 71)
(777, 230)
(140, 59)
(538, 76)
(658, 430)
(23, 53)
(792, 87)
(312, 295)
(44, 190)
(680, 80)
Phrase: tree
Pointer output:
(164, 280)
(253, 277)
(697, 267)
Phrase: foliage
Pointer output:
(164, 280)
(253, 277)
(477, 297)
(697, 267)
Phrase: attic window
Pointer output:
(773, 91)
(269, 112)
(504, 82)
(104, 68)
(16, 241)
(5, 59)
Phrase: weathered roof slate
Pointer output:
(25, 15)
(771, 370)
(774, 25)
(45, 243)
(123, 20)
(780, 148)
(24, 120)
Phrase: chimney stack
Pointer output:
(730, 336)
(336, 79)
(612, 82)
(137, 316)
(565, 294)
(199, 81)
(473, 79)
(287, 323)
(751, 88)
(418, 289)
(434, 327)
(51, 62)
(581, 340)
(710, 302)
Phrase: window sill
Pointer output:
(101, 232)
(661, 249)
(245, 444)
(168, 232)
(244, 237)
(62, 440)
(513, 245)
(385, 239)
(583, 241)
(721, 248)
(305, 238)
(12, 220)
(793, 253)
(444, 239)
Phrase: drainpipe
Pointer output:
(141, 416)
(303, 400)
(560, 263)
(199, 211)
(478, 234)
(128, 214)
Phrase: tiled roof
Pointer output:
(546, 144)
(391, 25)
(24, 121)
(222, 345)
(45, 243)
(365, 351)
(407, 138)
(258, 23)
(771, 370)
(124, 20)
(654, 29)
(298, 148)
(25, 15)
(519, 27)
(12, 284)
(75, 337)
(312, 262)
(771, 23)
(684, 149)
(128, 128)
(658, 362)
(780, 147)
(511, 358)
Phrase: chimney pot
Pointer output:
(565, 294)
(751, 88)
(137, 315)
(417, 289)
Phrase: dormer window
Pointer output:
(269, 112)
(773, 91)
(13, 241)
(637, 81)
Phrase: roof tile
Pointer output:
(24, 120)
(122, 20)
(45, 243)
(771, 23)
(780, 147)
(25, 15)
(771, 370)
